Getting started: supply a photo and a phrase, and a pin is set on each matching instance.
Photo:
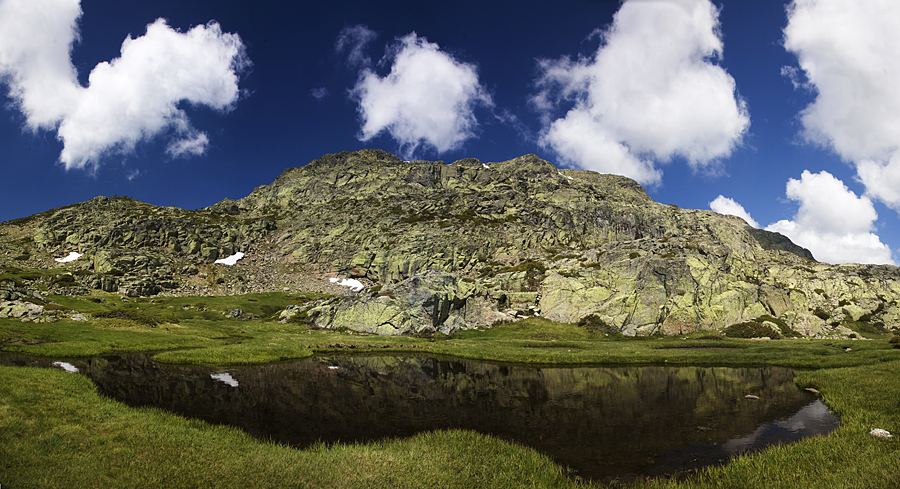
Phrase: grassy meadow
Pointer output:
(56, 431)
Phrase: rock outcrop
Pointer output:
(460, 245)
(420, 305)
(20, 310)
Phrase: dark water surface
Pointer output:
(603, 422)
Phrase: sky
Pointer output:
(785, 113)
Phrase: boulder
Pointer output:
(20, 310)
(138, 287)
(853, 312)
(434, 301)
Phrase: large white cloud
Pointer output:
(848, 51)
(832, 222)
(427, 99)
(724, 205)
(35, 40)
(128, 100)
(651, 92)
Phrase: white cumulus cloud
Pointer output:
(428, 99)
(833, 222)
(848, 52)
(130, 99)
(651, 92)
(724, 205)
(35, 40)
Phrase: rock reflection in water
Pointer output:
(603, 422)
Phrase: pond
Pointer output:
(605, 423)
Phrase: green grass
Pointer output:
(540, 341)
(55, 431)
(196, 330)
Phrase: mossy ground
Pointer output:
(55, 431)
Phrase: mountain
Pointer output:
(443, 247)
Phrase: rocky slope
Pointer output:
(444, 247)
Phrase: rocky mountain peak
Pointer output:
(509, 239)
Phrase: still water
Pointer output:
(603, 422)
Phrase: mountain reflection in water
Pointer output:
(603, 422)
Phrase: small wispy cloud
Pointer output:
(319, 93)
(190, 143)
(130, 99)
(651, 92)
(352, 41)
(427, 100)
(132, 174)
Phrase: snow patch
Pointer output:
(226, 378)
(486, 166)
(355, 285)
(68, 367)
(231, 260)
(72, 257)
(561, 174)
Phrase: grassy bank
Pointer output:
(55, 431)
(199, 330)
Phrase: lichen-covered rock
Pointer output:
(138, 287)
(421, 305)
(20, 310)
(519, 236)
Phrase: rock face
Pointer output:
(420, 305)
(461, 245)
(129, 247)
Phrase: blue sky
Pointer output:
(695, 99)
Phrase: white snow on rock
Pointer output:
(561, 174)
(226, 378)
(72, 257)
(231, 260)
(355, 285)
(68, 367)
(486, 166)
